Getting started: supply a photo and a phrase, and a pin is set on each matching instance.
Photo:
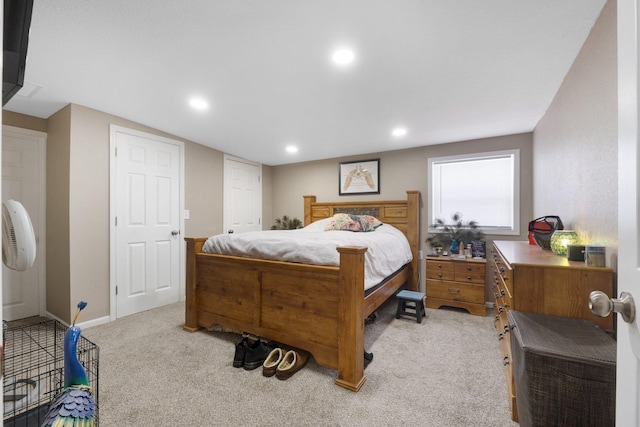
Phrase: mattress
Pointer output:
(388, 248)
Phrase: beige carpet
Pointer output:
(446, 371)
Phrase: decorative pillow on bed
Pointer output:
(368, 222)
(349, 222)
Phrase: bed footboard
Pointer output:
(316, 308)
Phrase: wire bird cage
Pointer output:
(34, 370)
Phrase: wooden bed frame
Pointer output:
(320, 309)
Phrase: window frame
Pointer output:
(514, 153)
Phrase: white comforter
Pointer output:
(388, 248)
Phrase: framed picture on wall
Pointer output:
(360, 177)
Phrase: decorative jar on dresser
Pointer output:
(456, 283)
(529, 279)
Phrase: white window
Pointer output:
(482, 187)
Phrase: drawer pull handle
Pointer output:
(500, 309)
(468, 277)
(439, 274)
(439, 265)
(454, 291)
(505, 361)
(500, 337)
(468, 268)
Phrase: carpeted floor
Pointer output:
(445, 371)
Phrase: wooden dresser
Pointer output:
(456, 283)
(527, 278)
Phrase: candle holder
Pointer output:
(561, 239)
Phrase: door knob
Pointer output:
(175, 232)
(601, 305)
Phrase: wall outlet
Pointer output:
(186, 214)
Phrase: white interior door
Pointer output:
(147, 220)
(23, 174)
(242, 195)
(628, 352)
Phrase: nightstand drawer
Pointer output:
(469, 272)
(455, 291)
(440, 270)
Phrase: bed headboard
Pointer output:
(402, 214)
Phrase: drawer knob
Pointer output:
(468, 277)
(454, 291)
(468, 268)
(505, 361)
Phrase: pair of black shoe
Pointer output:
(250, 355)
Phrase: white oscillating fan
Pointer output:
(18, 238)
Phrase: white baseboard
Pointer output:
(83, 325)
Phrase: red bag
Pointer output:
(541, 229)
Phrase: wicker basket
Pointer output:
(564, 369)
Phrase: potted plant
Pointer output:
(286, 223)
(448, 235)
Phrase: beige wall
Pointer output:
(203, 190)
(57, 214)
(22, 121)
(575, 144)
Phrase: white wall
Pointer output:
(575, 152)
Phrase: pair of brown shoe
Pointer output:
(284, 363)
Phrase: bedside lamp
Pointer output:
(561, 239)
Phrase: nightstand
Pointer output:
(456, 283)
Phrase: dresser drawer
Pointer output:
(439, 270)
(455, 291)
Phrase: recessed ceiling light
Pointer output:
(291, 149)
(399, 132)
(343, 56)
(198, 104)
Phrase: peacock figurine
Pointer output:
(74, 406)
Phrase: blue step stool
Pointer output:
(410, 300)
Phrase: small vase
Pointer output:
(454, 247)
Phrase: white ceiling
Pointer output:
(446, 70)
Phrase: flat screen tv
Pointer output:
(17, 20)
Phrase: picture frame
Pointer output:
(478, 249)
(359, 177)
